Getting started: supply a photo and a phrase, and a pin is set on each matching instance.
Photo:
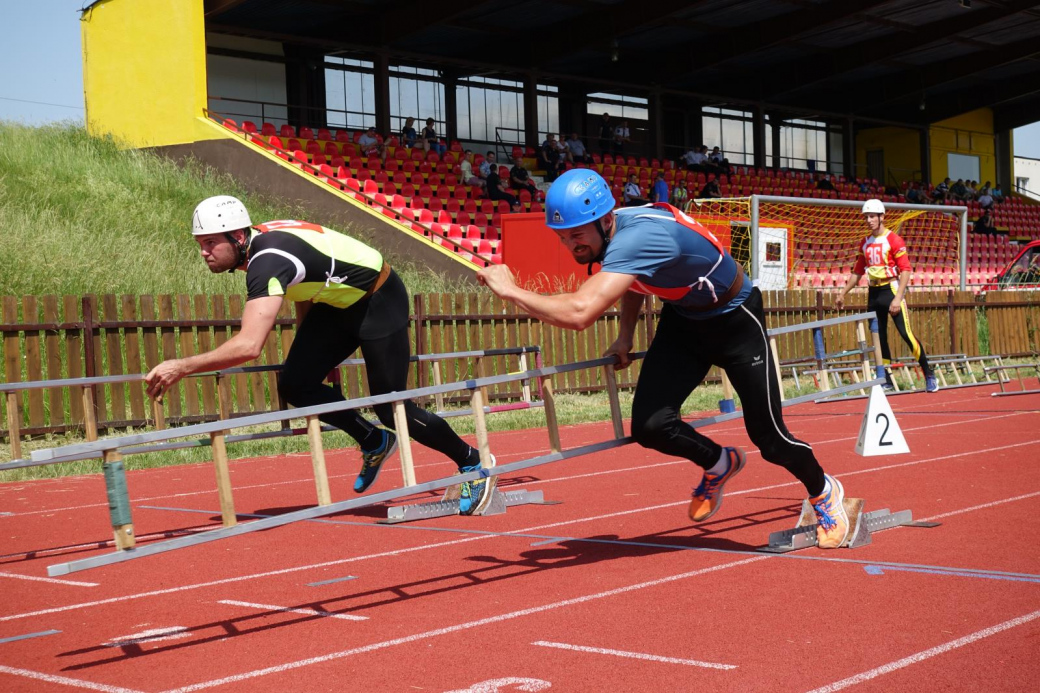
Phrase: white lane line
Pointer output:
(56, 581)
(292, 610)
(927, 654)
(150, 636)
(635, 655)
(464, 540)
(980, 507)
(460, 627)
(64, 680)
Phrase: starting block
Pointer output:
(861, 526)
(449, 505)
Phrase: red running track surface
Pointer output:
(612, 590)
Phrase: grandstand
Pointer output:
(282, 81)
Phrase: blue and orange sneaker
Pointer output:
(832, 523)
(474, 495)
(372, 461)
(707, 497)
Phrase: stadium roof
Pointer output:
(904, 61)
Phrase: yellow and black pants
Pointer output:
(879, 298)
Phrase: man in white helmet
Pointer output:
(883, 258)
(346, 297)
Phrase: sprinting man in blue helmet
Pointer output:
(712, 316)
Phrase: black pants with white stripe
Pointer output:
(682, 353)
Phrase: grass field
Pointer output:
(80, 216)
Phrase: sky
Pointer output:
(41, 80)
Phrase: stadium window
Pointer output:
(419, 97)
(548, 111)
(731, 131)
(618, 106)
(489, 110)
(349, 93)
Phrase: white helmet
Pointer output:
(220, 214)
(873, 207)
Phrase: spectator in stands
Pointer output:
(660, 191)
(984, 225)
(987, 187)
(711, 189)
(680, 195)
(633, 194)
(696, 158)
(431, 140)
(622, 136)
(864, 187)
(549, 159)
(520, 179)
(942, 191)
(360, 303)
(717, 160)
(606, 134)
(370, 145)
(495, 190)
(915, 194)
(487, 165)
(985, 200)
(408, 133)
(824, 183)
(468, 176)
(576, 153)
(959, 191)
(973, 191)
(998, 194)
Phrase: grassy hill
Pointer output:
(78, 216)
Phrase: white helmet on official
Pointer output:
(873, 207)
(220, 214)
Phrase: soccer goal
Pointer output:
(808, 243)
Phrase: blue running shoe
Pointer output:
(931, 384)
(372, 461)
(474, 495)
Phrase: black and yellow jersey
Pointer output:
(308, 262)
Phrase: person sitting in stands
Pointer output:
(408, 133)
(959, 191)
(997, 193)
(430, 139)
(633, 194)
(495, 191)
(984, 225)
(468, 176)
(576, 152)
(520, 179)
(549, 158)
(371, 146)
(487, 165)
(824, 183)
(711, 189)
(660, 190)
(680, 195)
(942, 191)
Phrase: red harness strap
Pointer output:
(678, 292)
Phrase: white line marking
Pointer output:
(56, 581)
(980, 507)
(927, 654)
(455, 542)
(148, 636)
(635, 655)
(64, 680)
(462, 626)
(290, 610)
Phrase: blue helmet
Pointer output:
(577, 197)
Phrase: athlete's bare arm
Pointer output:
(631, 303)
(904, 281)
(854, 278)
(257, 321)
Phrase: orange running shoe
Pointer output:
(707, 497)
(832, 523)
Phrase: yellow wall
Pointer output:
(902, 149)
(144, 71)
(970, 133)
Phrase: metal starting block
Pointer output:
(861, 526)
(449, 505)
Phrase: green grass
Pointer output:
(78, 215)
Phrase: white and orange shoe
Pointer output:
(707, 497)
(832, 522)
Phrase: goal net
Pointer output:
(813, 243)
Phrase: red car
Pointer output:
(1021, 273)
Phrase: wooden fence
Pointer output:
(51, 337)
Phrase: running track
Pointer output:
(611, 590)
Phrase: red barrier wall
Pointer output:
(534, 252)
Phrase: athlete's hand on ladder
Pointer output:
(620, 348)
